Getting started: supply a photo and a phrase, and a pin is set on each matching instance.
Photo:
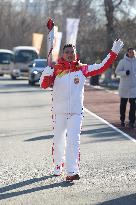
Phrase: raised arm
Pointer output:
(96, 69)
(47, 77)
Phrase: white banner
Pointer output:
(56, 45)
(37, 39)
(72, 25)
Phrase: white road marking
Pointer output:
(110, 125)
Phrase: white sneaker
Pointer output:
(58, 170)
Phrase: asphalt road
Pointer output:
(108, 159)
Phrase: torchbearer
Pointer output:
(68, 76)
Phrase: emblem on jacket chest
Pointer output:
(76, 80)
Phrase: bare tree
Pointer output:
(18, 22)
(110, 7)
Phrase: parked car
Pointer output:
(6, 62)
(24, 56)
(36, 70)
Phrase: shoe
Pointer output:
(71, 178)
(58, 170)
(131, 125)
(122, 124)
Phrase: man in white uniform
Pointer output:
(67, 78)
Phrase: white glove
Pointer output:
(117, 45)
(48, 71)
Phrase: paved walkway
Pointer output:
(107, 167)
(105, 104)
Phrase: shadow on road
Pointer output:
(31, 190)
(102, 134)
(45, 137)
(125, 200)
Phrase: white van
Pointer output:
(6, 62)
(24, 56)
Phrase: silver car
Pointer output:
(36, 70)
(6, 62)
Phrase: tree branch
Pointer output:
(117, 5)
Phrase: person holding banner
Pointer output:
(67, 77)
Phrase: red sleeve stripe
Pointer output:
(97, 69)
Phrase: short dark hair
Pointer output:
(130, 49)
(68, 45)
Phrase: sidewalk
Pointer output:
(105, 103)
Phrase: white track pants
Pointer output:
(67, 141)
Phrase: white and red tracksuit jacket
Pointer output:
(68, 83)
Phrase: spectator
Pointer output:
(126, 69)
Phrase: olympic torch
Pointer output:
(50, 38)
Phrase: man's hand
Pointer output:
(127, 72)
(47, 79)
(117, 45)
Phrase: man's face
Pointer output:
(131, 53)
(69, 54)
